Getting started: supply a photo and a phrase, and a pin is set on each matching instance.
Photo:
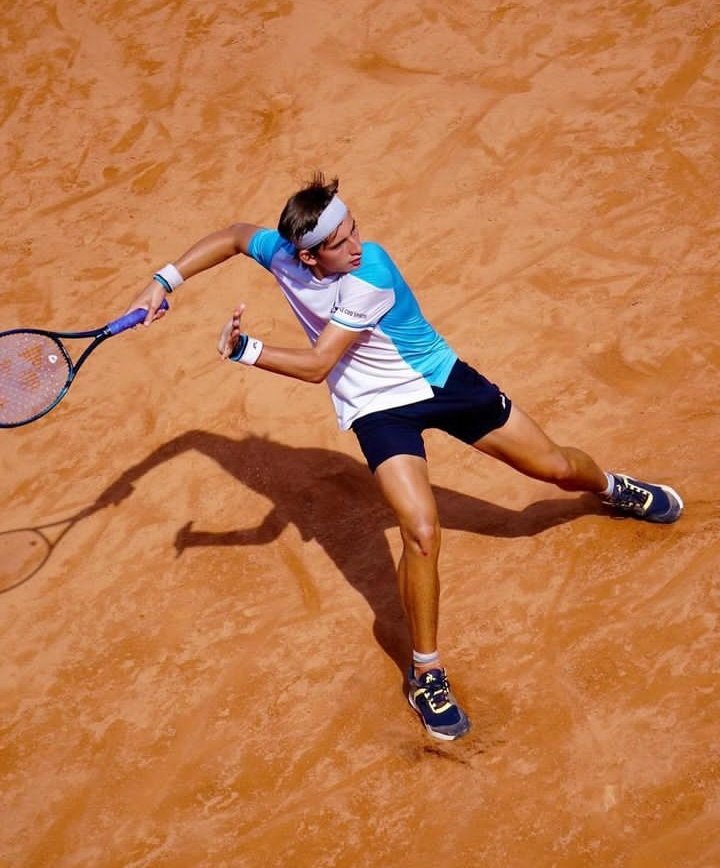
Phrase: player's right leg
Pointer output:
(404, 482)
(391, 441)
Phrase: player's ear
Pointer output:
(306, 257)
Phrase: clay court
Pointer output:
(207, 668)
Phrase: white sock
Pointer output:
(611, 485)
(420, 659)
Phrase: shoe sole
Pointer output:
(442, 736)
(672, 494)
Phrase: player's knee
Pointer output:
(421, 534)
(558, 469)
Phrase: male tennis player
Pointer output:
(391, 376)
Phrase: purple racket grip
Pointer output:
(135, 317)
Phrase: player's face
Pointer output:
(340, 253)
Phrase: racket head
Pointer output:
(36, 370)
(35, 373)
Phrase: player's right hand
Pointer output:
(150, 298)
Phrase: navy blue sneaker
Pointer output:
(657, 503)
(430, 695)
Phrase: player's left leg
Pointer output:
(523, 445)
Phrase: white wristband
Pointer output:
(251, 353)
(169, 275)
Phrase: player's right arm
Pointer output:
(205, 253)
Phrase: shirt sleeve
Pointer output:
(264, 244)
(360, 305)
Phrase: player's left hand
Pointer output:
(231, 332)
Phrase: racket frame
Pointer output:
(129, 320)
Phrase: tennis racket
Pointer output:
(36, 369)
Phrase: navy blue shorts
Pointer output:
(467, 407)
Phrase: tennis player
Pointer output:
(391, 376)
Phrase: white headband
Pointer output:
(333, 215)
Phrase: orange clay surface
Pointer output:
(207, 670)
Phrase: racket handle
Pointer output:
(135, 317)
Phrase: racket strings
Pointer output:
(33, 373)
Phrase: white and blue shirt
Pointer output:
(398, 356)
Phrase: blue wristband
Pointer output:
(163, 282)
(236, 354)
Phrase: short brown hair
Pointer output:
(303, 209)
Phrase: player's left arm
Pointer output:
(312, 364)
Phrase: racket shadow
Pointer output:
(24, 551)
(331, 497)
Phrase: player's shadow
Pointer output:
(331, 497)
